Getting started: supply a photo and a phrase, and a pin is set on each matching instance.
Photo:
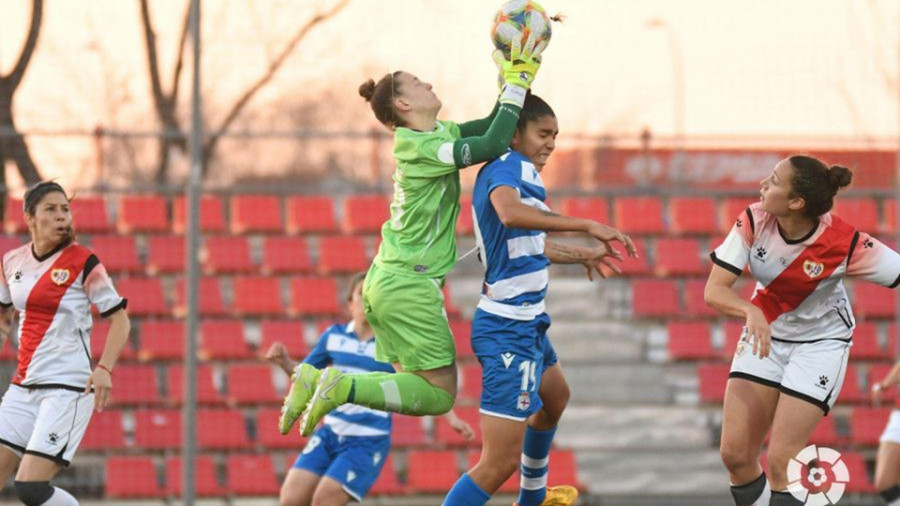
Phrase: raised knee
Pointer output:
(734, 457)
(33, 493)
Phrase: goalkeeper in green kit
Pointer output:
(402, 294)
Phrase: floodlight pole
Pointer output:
(189, 410)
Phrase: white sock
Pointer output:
(764, 496)
(60, 498)
(895, 502)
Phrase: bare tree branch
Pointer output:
(265, 78)
(179, 63)
(15, 77)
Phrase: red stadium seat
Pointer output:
(874, 301)
(510, 486)
(825, 433)
(639, 215)
(210, 301)
(365, 213)
(634, 266)
(267, 431)
(255, 213)
(99, 333)
(104, 432)
(654, 298)
(143, 213)
(257, 296)
(693, 215)
(713, 378)
(451, 307)
(285, 255)
(465, 223)
(249, 383)
(9, 242)
(689, 341)
(145, 296)
(89, 215)
(462, 336)
(310, 214)
(226, 254)
(387, 482)
(207, 393)
(161, 340)
(861, 212)
(444, 433)
(156, 429)
(865, 343)
(432, 471)
(14, 217)
(693, 299)
(470, 381)
(287, 332)
(314, 296)
(221, 429)
(733, 330)
(867, 424)
(890, 216)
(117, 253)
(679, 257)
(205, 482)
(135, 384)
(851, 392)
(165, 254)
(407, 431)
(858, 471)
(131, 478)
(251, 475)
(342, 254)
(212, 215)
(223, 339)
(591, 208)
(731, 209)
(563, 469)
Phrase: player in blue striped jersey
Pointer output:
(524, 391)
(344, 457)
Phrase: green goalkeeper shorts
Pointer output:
(408, 316)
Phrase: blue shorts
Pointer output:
(513, 355)
(353, 461)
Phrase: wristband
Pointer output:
(513, 94)
(107, 369)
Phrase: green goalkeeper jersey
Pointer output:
(420, 236)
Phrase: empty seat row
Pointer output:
(248, 213)
(427, 472)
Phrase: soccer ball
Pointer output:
(521, 22)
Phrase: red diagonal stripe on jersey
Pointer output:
(42, 303)
(786, 292)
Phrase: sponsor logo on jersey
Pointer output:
(17, 277)
(376, 458)
(507, 359)
(59, 276)
(813, 269)
(761, 254)
(466, 154)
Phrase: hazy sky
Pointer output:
(765, 68)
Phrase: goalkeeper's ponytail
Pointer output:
(381, 97)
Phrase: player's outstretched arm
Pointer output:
(513, 213)
(593, 259)
(278, 355)
(477, 127)
(889, 380)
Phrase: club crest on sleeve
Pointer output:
(59, 276)
(813, 269)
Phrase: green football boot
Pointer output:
(303, 384)
(331, 392)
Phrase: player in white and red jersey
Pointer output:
(790, 362)
(51, 282)
(887, 463)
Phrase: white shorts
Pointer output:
(891, 432)
(45, 422)
(812, 371)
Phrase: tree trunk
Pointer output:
(12, 143)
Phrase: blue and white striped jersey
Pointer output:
(341, 348)
(515, 278)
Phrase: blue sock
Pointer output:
(535, 462)
(466, 492)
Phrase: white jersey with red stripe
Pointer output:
(800, 285)
(53, 294)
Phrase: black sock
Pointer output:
(749, 493)
(891, 494)
(784, 499)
